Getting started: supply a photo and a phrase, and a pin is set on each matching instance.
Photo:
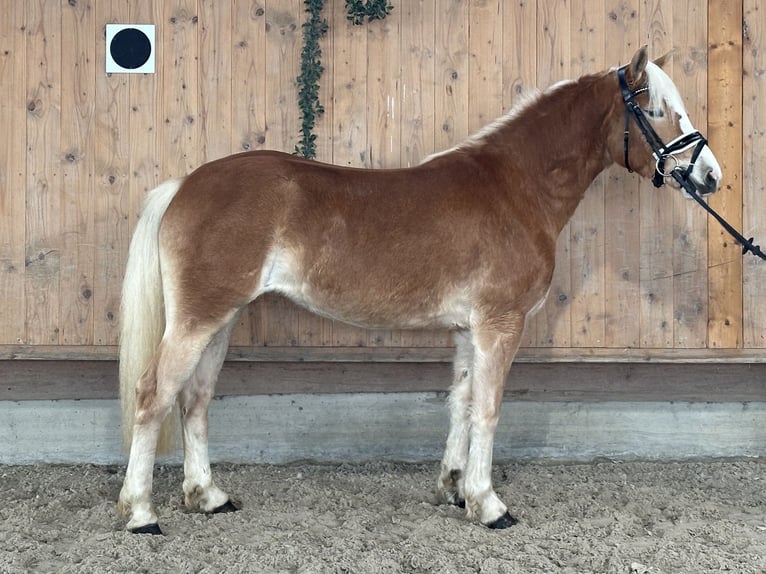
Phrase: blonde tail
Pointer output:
(142, 315)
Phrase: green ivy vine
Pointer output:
(314, 28)
(358, 10)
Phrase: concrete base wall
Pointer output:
(394, 426)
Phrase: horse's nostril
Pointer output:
(711, 177)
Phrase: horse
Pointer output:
(465, 240)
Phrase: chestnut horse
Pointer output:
(466, 240)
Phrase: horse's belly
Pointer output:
(364, 300)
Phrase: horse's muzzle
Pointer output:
(709, 183)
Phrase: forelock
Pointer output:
(662, 91)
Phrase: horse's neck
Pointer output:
(559, 145)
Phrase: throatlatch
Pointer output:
(662, 152)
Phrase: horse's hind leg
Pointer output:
(200, 492)
(450, 484)
(173, 364)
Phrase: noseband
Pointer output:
(660, 150)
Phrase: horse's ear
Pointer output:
(664, 59)
(637, 65)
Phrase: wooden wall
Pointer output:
(641, 272)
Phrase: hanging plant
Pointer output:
(314, 28)
(308, 82)
(358, 10)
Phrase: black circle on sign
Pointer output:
(130, 48)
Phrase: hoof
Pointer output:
(147, 529)
(459, 502)
(228, 506)
(505, 521)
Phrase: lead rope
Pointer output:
(747, 244)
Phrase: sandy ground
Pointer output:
(602, 517)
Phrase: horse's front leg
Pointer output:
(450, 484)
(494, 348)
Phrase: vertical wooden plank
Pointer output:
(520, 79)
(587, 227)
(690, 295)
(43, 202)
(656, 210)
(383, 91)
(248, 110)
(553, 64)
(349, 98)
(277, 321)
(145, 118)
(519, 51)
(417, 80)
(384, 113)
(724, 133)
(13, 66)
(314, 330)
(621, 208)
(754, 176)
(77, 195)
(349, 127)
(485, 48)
(449, 28)
(283, 48)
(112, 177)
(418, 114)
(451, 73)
(215, 85)
(180, 134)
(143, 157)
(323, 128)
(248, 107)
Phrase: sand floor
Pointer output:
(603, 517)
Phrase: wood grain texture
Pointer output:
(78, 281)
(554, 320)
(638, 268)
(43, 190)
(276, 320)
(113, 146)
(724, 121)
(690, 285)
(656, 209)
(622, 258)
(13, 176)
(754, 178)
(587, 227)
(384, 115)
(548, 382)
(215, 79)
(248, 107)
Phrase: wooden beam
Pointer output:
(725, 325)
(546, 382)
(405, 354)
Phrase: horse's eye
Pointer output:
(658, 113)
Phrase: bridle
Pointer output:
(663, 152)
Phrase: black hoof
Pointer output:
(147, 529)
(505, 521)
(228, 506)
(459, 502)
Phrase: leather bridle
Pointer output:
(662, 152)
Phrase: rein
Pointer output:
(662, 152)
